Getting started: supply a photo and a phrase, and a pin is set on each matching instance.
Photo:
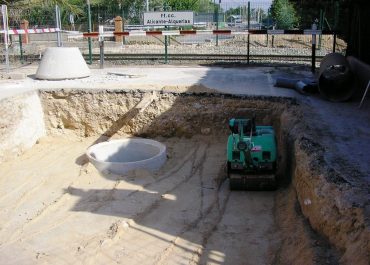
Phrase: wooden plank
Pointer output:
(145, 101)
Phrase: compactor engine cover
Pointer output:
(251, 156)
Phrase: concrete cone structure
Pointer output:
(60, 63)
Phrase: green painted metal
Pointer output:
(89, 30)
(165, 8)
(336, 15)
(257, 143)
(321, 27)
(249, 22)
(249, 14)
(21, 48)
(216, 20)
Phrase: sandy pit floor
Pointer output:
(57, 209)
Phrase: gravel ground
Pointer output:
(283, 45)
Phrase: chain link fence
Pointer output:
(237, 17)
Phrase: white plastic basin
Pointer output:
(123, 155)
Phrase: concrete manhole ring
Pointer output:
(124, 155)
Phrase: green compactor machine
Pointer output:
(251, 156)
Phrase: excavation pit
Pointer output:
(185, 209)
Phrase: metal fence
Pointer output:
(237, 17)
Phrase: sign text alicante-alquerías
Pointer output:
(168, 18)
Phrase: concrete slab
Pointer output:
(9, 88)
(257, 81)
(17, 76)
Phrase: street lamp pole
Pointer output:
(89, 30)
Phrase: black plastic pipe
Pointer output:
(336, 78)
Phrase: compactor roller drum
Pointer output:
(251, 156)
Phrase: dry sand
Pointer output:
(57, 209)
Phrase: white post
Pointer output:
(147, 5)
(101, 45)
(72, 21)
(58, 25)
(363, 97)
(4, 11)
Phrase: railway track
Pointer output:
(202, 57)
(184, 58)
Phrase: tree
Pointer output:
(333, 10)
(233, 11)
(39, 12)
(183, 4)
(284, 14)
(68, 5)
(10, 3)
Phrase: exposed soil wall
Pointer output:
(106, 113)
(334, 208)
(21, 124)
